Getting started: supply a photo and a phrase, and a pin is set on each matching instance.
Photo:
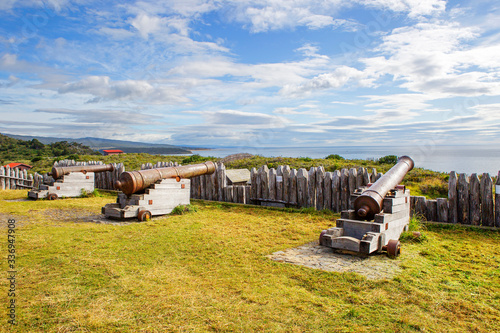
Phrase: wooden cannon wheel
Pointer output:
(144, 215)
(52, 196)
(393, 248)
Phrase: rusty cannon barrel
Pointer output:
(135, 181)
(58, 172)
(369, 202)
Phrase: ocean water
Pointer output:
(462, 159)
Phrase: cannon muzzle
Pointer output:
(134, 181)
(58, 172)
(369, 202)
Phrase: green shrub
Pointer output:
(335, 157)
(183, 209)
(389, 159)
(193, 159)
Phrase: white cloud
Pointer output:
(103, 88)
(147, 25)
(338, 78)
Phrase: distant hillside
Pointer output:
(100, 144)
(12, 149)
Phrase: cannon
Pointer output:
(151, 192)
(70, 181)
(381, 212)
(58, 172)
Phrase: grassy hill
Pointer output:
(15, 150)
(100, 144)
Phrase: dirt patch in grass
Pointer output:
(313, 255)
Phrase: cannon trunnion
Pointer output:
(381, 213)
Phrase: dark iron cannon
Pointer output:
(135, 181)
(369, 202)
(58, 172)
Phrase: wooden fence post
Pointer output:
(279, 183)
(487, 216)
(272, 184)
(474, 200)
(431, 210)
(336, 205)
(366, 177)
(302, 186)
(327, 191)
(311, 188)
(497, 201)
(253, 184)
(359, 177)
(442, 209)
(221, 181)
(247, 194)
(320, 179)
(292, 190)
(452, 198)
(344, 189)
(287, 185)
(420, 206)
(2, 179)
(373, 176)
(7, 180)
(463, 199)
(353, 175)
(264, 180)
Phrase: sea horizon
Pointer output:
(443, 158)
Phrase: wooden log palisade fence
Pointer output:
(471, 200)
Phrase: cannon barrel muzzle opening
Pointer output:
(369, 202)
(58, 172)
(134, 181)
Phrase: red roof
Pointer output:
(16, 165)
(112, 151)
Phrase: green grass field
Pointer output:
(208, 271)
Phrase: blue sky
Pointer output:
(252, 73)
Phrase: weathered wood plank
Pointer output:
(421, 206)
(353, 175)
(431, 214)
(253, 183)
(2, 179)
(474, 200)
(279, 183)
(302, 186)
(344, 189)
(497, 201)
(336, 205)
(373, 176)
(241, 194)
(247, 194)
(222, 181)
(452, 198)
(7, 180)
(366, 177)
(442, 209)
(286, 184)
(359, 177)
(292, 191)
(320, 179)
(311, 188)
(264, 179)
(259, 183)
(272, 184)
(463, 199)
(487, 210)
(327, 191)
